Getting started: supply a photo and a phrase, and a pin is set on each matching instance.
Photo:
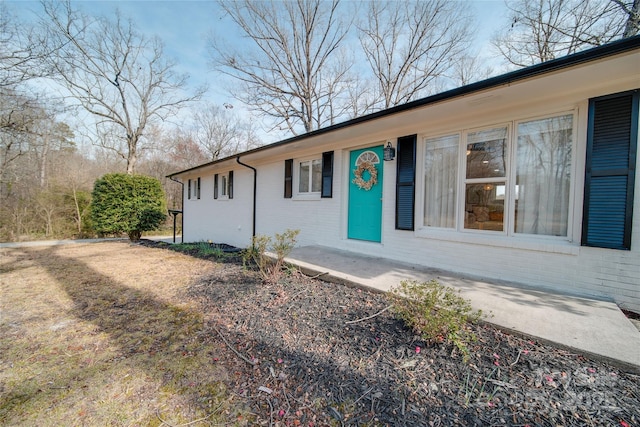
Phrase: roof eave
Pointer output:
(578, 58)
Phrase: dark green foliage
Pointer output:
(129, 204)
(435, 312)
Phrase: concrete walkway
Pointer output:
(591, 327)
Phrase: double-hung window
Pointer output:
(193, 189)
(485, 179)
(313, 177)
(509, 179)
(223, 186)
(310, 177)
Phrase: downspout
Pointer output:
(181, 209)
(255, 190)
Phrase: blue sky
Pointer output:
(185, 26)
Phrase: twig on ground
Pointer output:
(365, 393)
(284, 390)
(250, 362)
(293, 296)
(318, 275)
(368, 317)
(270, 413)
(517, 358)
(185, 424)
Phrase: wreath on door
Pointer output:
(373, 176)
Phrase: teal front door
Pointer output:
(365, 194)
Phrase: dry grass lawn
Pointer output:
(113, 334)
(95, 334)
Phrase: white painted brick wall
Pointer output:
(218, 220)
(564, 266)
(594, 272)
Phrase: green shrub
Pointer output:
(281, 245)
(129, 204)
(435, 312)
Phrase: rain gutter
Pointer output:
(255, 192)
(181, 210)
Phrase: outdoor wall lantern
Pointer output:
(389, 152)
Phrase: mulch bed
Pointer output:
(303, 356)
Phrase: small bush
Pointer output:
(281, 245)
(435, 312)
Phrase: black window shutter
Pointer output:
(406, 182)
(288, 178)
(189, 190)
(327, 175)
(610, 171)
(231, 184)
(215, 186)
(198, 189)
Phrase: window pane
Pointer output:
(224, 185)
(486, 153)
(303, 186)
(544, 176)
(484, 207)
(441, 170)
(316, 183)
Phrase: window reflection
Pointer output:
(484, 206)
(303, 186)
(316, 182)
(486, 152)
(544, 176)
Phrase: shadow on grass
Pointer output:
(164, 345)
(367, 373)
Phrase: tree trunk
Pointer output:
(43, 161)
(134, 235)
(132, 157)
(633, 23)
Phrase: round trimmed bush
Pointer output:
(131, 204)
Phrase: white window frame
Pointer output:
(223, 186)
(306, 195)
(463, 180)
(508, 237)
(192, 188)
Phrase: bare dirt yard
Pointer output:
(120, 335)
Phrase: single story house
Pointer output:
(527, 177)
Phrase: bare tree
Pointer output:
(20, 110)
(18, 53)
(49, 136)
(222, 133)
(542, 30)
(468, 69)
(410, 44)
(114, 73)
(632, 10)
(290, 76)
(20, 117)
